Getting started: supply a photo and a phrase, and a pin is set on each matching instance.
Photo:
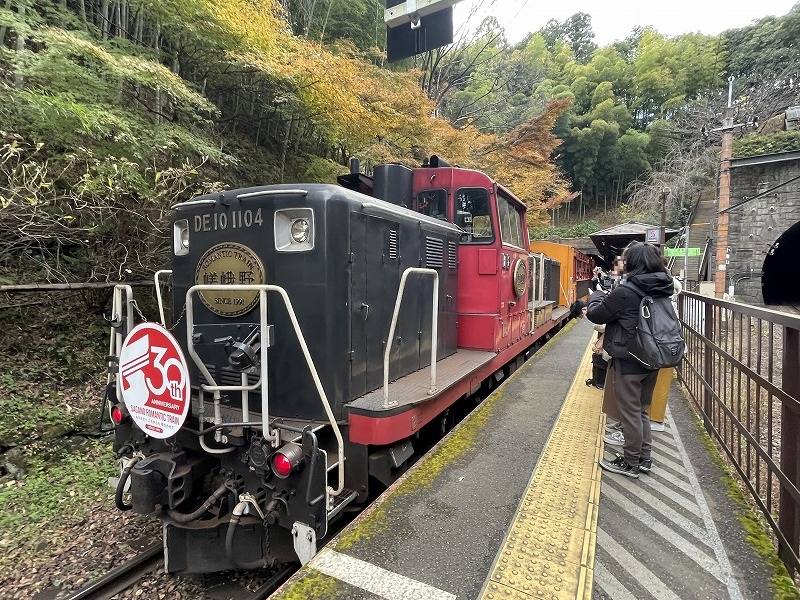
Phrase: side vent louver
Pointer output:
(226, 376)
(393, 244)
(434, 253)
(451, 255)
(231, 377)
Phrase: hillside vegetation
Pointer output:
(113, 110)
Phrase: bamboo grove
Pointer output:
(113, 110)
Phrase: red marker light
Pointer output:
(119, 415)
(286, 460)
(282, 465)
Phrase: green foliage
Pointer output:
(60, 482)
(767, 46)
(569, 231)
(576, 31)
(320, 170)
(99, 227)
(756, 144)
(23, 420)
(329, 20)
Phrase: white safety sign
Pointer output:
(154, 380)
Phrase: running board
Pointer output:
(339, 502)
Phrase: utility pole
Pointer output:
(720, 277)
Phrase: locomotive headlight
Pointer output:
(300, 229)
(294, 230)
(180, 237)
(286, 460)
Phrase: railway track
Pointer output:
(272, 584)
(122, 577)
(125, 575)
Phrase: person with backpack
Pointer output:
(658, 407)
(639, 345)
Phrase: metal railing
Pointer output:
(742, 372)
(434, 330)
(212, 386)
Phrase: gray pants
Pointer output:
(634, 393)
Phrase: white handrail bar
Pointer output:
(157, 278)
(434, 330)
(263, 289)
(116, 338)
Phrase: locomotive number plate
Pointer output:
(229, 263)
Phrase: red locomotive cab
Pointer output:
(492, 255)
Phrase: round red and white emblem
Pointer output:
(154, 380)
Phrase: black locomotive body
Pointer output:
(282, 299)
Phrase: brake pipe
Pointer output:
(123, 479)
(238, 511)
(180, 517)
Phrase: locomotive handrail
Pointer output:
(118, 334)
(189, 203)
(434, 330)
(262, 292)
(249, 195)
(157, 278)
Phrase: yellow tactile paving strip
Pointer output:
(549, 550)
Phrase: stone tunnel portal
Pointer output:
(780, 282)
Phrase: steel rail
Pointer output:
(122, 577)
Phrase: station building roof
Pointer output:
(612, 241)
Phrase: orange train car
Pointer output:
(576, 269)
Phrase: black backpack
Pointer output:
(657, 342)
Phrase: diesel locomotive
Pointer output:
(319, 336)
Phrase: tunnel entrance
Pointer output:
(780, 283)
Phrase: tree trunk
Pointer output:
(104, 21)
(138, 28)
(82, 6)
(286, 140)
(117, 19)
(4, 28)
(325, 22)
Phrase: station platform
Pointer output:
(513, 505)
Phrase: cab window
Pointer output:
(474, 216)
(433, 203)
(511, 223)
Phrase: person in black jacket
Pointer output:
(633, 383)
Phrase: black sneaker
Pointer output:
(590, 382)
(621, 466)
(645, 465)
